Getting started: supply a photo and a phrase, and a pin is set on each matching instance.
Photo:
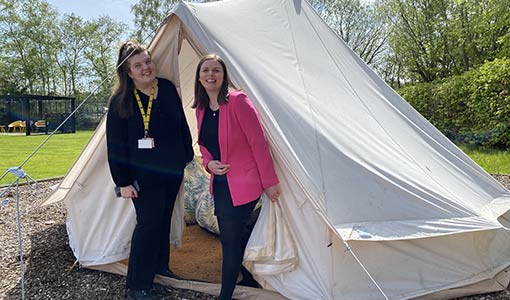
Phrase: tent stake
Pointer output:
(72, 267)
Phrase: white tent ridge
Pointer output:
(356, 164)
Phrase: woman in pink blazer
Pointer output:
(236, 154)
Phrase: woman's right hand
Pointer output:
(128, 192)
(218, 168)
(273, 192)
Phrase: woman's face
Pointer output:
(211, 75)
(141, 69)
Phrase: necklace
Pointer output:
(214, 110)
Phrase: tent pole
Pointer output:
(19, 174)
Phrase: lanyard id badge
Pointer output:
(146, 142)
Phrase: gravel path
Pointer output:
(49, 261)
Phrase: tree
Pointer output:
(27, 49)
(441, 38)
(481, 26)
(391, 69)
(149, 14)
(421, 37)
(44, 53)
(72, 34)
(39, 19)
(360, 24)
(504, 41)
(101, 54)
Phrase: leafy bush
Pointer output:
(472, 108)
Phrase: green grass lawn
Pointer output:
(491, 160)
(52, 160)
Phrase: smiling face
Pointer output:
(211, 75)
(141, 69)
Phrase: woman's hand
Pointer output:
(273, 192)
(128, 192)
(217, 168)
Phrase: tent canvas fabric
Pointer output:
(367, 183)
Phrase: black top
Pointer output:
(209, 132)
(167, 126)
(209, 138)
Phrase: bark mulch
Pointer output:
(50, 273)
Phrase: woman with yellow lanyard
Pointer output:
(149, 144)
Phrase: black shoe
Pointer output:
(140, 295)
(168, 273)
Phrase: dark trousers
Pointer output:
(150, 244)
(234, 235)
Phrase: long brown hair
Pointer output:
(123, 90)
(201, 98)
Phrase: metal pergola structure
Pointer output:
(26, 101)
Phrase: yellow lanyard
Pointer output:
(146, 115)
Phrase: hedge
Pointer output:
(472, 108)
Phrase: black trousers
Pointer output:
(150, 244)
(234, 235)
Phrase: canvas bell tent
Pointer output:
(376, 203)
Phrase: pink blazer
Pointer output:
(243, 146)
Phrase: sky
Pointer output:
(119, 10)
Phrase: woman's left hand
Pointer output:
(218, 168)
(273, 192)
